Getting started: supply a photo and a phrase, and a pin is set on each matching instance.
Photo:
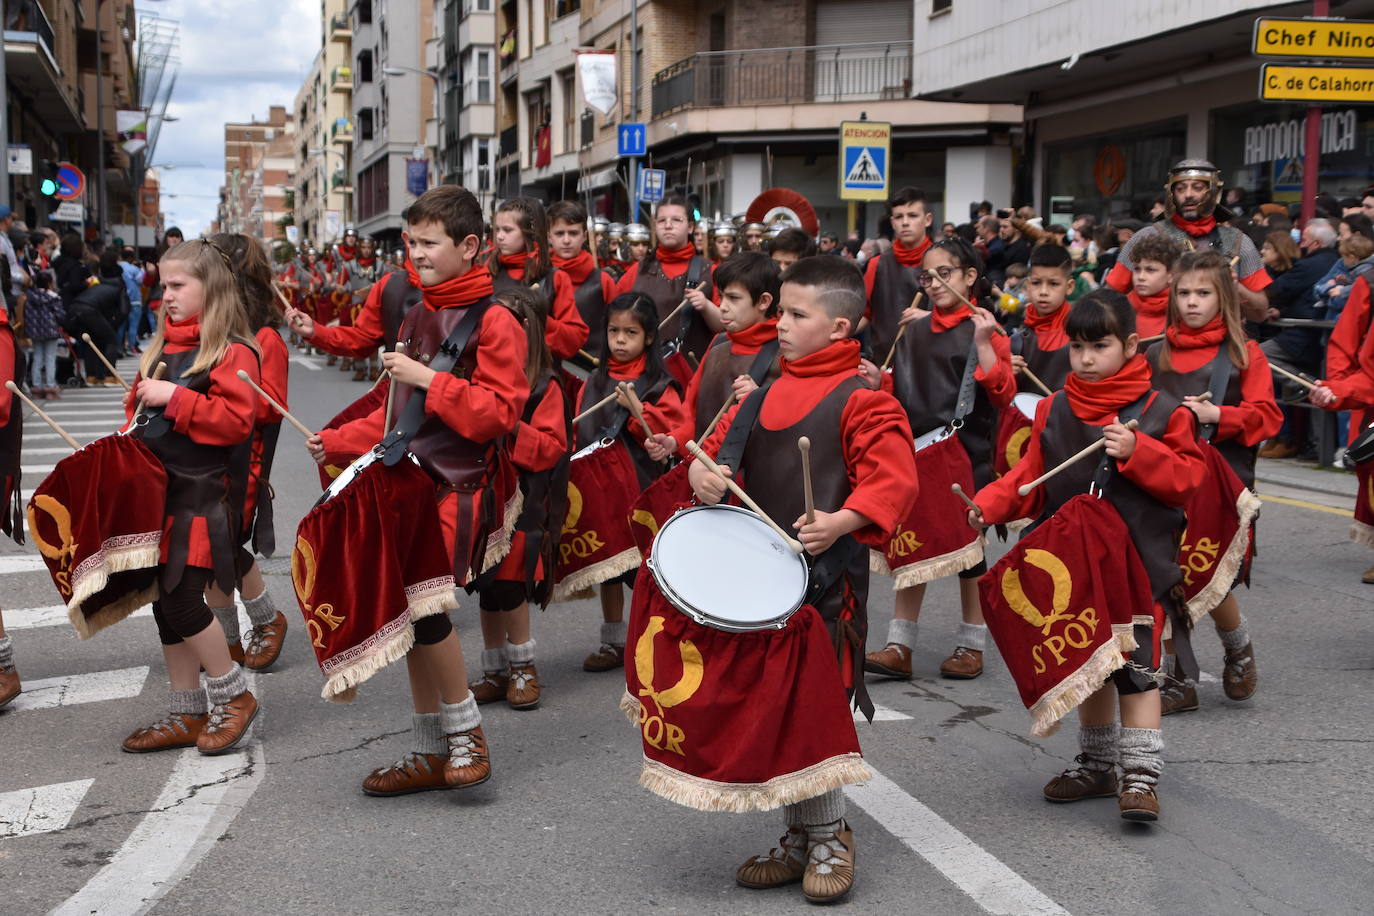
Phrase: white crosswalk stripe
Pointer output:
(74, 689)
(33, 618)
(21, 564)
(44, 809)
(880, 714)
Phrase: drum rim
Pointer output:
(702, 617)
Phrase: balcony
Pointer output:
(339, 182)
(342, 131)
(509, 142)
(31, 64)
(339, 28)
(341, 79)
(785, 76)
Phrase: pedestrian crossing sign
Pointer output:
(865, 152)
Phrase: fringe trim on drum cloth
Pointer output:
(738, 797)
(948, 564)
(118, 554)
(498, 542)
(1124, 633)
(1231, 561)
(344, 672)
(597, 573)
(630, 707)
(1016, 526)
(1065, 696)
(1361, 533)
(437, 596)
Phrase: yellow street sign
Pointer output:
(865, 159)
(1296, 83)
(1321, 39)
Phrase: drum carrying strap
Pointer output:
(394, 444)
(967, 388)
(697, 268)
(1107, 465)
(763, 361)
(1221, 375)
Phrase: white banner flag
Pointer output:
(597, 72)
(133, 130)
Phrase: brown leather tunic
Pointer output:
(1239, 456)
(1050, 366)
(894, 286)
(591, 305)
(609, 422)
(398, 298)
(719, 369)
(689, 328)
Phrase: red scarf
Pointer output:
(1098, 402)
(180, 336)
(578, 267)
(911, 257)
(347, 252)
(1210, 335)
(840, 356)
(756, 335)
(1151, 313)
(455, 292)
(630, 371)
(1049, 329)
(1195, 227)
(517, 261)
(677, 255)
(367, 262)
(941, 320)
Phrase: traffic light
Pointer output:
(47, 178)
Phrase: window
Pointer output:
(476, 6)
(374, 189)
(940, 6)
(568, 83)
(364, 12)
(560, 8)
(483, 165)
(365, 124)
(365, 66)
(383, 108)
(477, 77)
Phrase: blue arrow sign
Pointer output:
(632, 140)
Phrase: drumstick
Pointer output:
(673, 314)
(595, 407)
(14, 389)
(1297, 378)
(1035, 380)
(158, 373)
(108, 365)
(959, 492)
(805, 445)
(960, 296)
(1145, 340)
(276, 288)
(892, 350)
(1081, 453)
(1205, 396)
(636, 407)
(305, 430)
(588, 357)
(711, 427)
(390, 392)
(743, 496)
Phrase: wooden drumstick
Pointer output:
(14, 389)
(743, 496)
(1035, 380)
(595, 407)
(636, 406)
(673, 314)
(711, 427)
(108, 365)
(1080, 454)
(1205, 396)
(805, 445)
(960, 296)
(157, 375)
(892, 350)
(304, 430)
(390, 392)
(588, 357)
(959, 492)
(1296, 378)
(1146, 340)
(276, 288)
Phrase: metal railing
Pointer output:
(28, 16)
(785, 76)
(339, 23)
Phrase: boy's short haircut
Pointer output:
(906, 196)
(451, 206)
(1156, 246)
(1102, 313)
(794, 241)
(753, 270)
(567, 211)
(1054, 256)
(838, 283)
(1017, 270)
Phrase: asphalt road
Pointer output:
(1262, 807)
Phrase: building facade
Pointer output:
(323, 182)
(466, 66)
(259, 157)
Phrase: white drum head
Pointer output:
(1025, 402)
(725, 568)
(926, 440)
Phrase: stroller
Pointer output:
(69, 367)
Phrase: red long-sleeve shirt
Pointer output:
(744, 343)
(366, 334)
(275, 369)
(565, 332)
(6, 368)
(540, 443)
(1257, 416)
(1168, 469)
(874, 432)
(1349, 353)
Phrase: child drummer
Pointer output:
(864, 482)
(1153, 470)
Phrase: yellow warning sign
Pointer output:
(1328, 39)
(865, 159)
(1298, 83)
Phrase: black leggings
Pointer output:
(501, 595)
(432, 629)
(182, 612)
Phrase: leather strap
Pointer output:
(1221, 375)
(763, 361)
(967, 392)
(1106, 466)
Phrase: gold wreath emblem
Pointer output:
(693, 668)
(303, 569)
(63, 519)
(1016, 446)
(1063, 589)
(574, 508)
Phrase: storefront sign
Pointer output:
(1293, 83)
(1283, 139)
(1324, 39)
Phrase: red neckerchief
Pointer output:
(942, 320)
(517, 260)
(456, 292)
(1099, 402)
(1195, 227)
(180, 336)
(630, 371)
(578, 267)
(911, 257)
(1151, 312)
(367, 262)
(1182, 337)
(1049, 329)
(840, 356)
(347, 252)
(756, 335)
(677, 255)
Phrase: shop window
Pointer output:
(1113, 175)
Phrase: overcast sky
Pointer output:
(237, 59)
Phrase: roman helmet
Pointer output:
(1194, 170)
(615, 232)
(723, 228)
(636, 232)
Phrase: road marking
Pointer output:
(976, 872)
(33, 618)
(41, 810)
(21, 564)
(1302, 504)
(307, 362)
(41, 469)
(880, 714)
(110, 424)
(46, 452)
(72, 689)
(64, 413)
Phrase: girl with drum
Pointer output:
(520, 257)
(198, 415)
(11, 515)
(1205, 351)
(540, 452)
(1149, 474)
(952, 374)
(631, 343)
(268, 632)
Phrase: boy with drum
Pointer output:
(864, 482)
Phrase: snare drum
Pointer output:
(926, 440)
(1026, 403)
(1013, 431)
(727, 569)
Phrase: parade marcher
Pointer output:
(11, 510)
(1148, 475)
(951, 370)
(722, 241)
(1194, 219)
(458, 435)
(200, 413)
(890, 279)
(635, 356)
(593, 286)
(864, 480)
(637, 240)
(520, 257)
(268, 631)
(378, 322)
(1205, 350)
(540, 452)
(1041, 344)
(789, 246)
(1152, 277)
(356, 276)
(752, 236)
(305, 278)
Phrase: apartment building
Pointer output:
(465, 59)
(1114, 93)
(259, 157)
(323, 181)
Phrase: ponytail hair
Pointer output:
(532, 308)
(1217, 269)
